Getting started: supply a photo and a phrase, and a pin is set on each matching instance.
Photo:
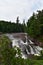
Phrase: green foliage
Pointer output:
(35, 25)
(8, 54)
(8, 27)
(12, 56)
(41, 56)
(17, 21)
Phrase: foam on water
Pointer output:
(23, 46)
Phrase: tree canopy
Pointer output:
(35, 24)
(9, 27)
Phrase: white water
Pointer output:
(19, 43)
(25, 46)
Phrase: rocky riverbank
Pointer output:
(38, 41)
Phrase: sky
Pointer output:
(10, 9)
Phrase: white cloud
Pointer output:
(10, 9)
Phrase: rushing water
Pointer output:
(26, 48)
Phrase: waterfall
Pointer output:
(27, 47)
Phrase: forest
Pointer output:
(34, 29)
(35, 26)
(9, 27)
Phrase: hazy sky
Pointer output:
(10, 9)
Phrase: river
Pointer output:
(27, 48)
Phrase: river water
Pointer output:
(26, 48)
